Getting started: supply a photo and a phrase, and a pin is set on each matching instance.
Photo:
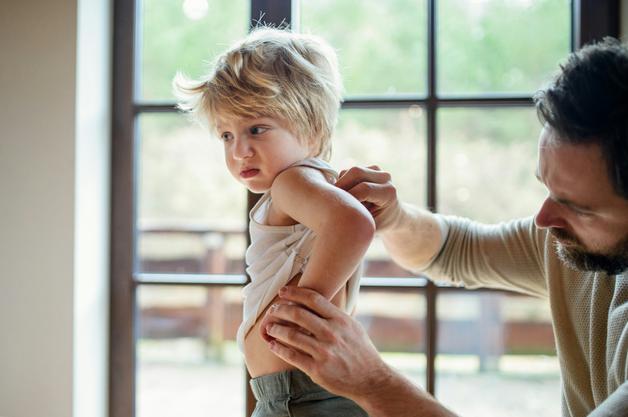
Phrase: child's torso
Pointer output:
(259, 359)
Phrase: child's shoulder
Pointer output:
(300, 189)
(309, 176)
(299, 175)
(313, 168)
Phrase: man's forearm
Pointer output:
(396, 396)
(412, 237)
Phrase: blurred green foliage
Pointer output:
(486, 162)
(171, 41)
(497, 46)
(484, 46)
(381, 45)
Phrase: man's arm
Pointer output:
(412, 236)
(616, 405)
(415, 239)
(336, 353)
(397, 396)
(505, 256)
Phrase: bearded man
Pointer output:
(573, 253)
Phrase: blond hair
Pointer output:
(271, 73)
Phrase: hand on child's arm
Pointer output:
(373, 187)
(335, 351)
(411, 235)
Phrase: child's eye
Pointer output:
(258, 130)
(226, 137)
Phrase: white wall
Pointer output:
(91, 204)
(54, 135)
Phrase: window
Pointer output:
(438, 92)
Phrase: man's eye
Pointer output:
(581, 213)
(258, 130)
(226, 137)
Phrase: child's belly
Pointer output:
(258, 357)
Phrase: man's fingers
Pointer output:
(268, 318)
(295, 315)
(368, 185)
(376, 194)
(356, 175)
(310, 299)
(295, 338)
(295, 358)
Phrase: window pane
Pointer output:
(393, 139)
(395, 322)
(191, 212)
(500, 46)
(387, 55)
(486, 163)
(497, 356)
(188, 361)
(181, 35)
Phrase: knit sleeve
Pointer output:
(506, 256)
(616, 405)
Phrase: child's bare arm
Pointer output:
(343, 227)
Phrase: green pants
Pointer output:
(293, 394)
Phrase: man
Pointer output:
(574, 253)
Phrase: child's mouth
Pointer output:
(248, 173)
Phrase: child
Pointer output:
(273, 100)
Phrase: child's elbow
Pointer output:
(358, 224)
(367, 227)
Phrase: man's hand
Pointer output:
(412, 236)
(373, 188)
(328, 345)
(335, 351)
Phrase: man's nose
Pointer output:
(242, 148)
(549, 215)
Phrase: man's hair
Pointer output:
(587, 103)
(271, 73)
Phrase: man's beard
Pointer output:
(574, 255)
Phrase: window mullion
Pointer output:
(276, 13)
(594, 19)
(431, 323)
(122, 293)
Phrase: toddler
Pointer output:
(273, 101)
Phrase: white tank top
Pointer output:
(277, 254)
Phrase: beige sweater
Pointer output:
(589, 309)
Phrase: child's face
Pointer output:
(257, 150)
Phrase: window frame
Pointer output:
(590, 20)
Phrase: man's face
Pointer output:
(586, 217)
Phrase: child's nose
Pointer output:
(242, 149)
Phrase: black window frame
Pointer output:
(591, 20)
